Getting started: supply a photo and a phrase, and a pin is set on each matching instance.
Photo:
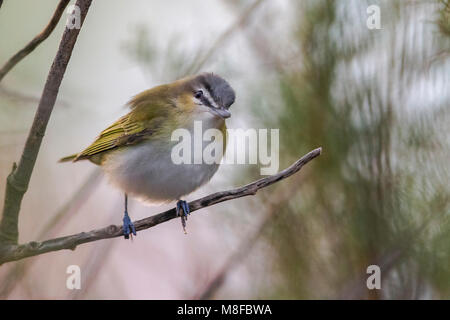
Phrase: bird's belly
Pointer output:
(147, 172)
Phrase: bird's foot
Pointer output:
(128, 227)
(183, 206)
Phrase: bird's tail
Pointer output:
(69, 158)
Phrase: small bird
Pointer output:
(135, 151)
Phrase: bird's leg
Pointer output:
(128, 226)
(183, 206)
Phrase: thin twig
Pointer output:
(19, 178)
(16, 252)
(24, 97)
(18, 95)
(96, 260)
(93, 265)
(247, 245)
(44, 34)
(63, 216)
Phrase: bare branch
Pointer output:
(25, 98)
(18, 95)
(247, 244)
(63, 215)
(17, 252)
(44, 34)
(18, 180)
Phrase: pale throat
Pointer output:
(204, 115)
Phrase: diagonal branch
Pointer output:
(247, 245)
(18, 252)
(44, 34)
(19, 178)
(63, 215)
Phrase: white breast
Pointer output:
(147, 172)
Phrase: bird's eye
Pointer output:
(198, 94)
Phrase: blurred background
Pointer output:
(377, 101)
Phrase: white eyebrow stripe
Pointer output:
(207, 95)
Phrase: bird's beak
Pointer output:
(221, 112)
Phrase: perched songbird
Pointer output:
(135, 151)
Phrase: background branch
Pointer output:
(17, 252)
(44, 34)
(240, 22)
(248, 243)
(63, 216)
(19, 178)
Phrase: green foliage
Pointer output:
(375, 100)
(379, 187)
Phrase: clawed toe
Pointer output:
(183, 206)
(128, 227)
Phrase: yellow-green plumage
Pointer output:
(143, 121)
(135, 151)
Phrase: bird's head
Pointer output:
(206, 92)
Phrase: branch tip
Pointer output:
(19, 252)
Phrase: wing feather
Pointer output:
(125, 131)
(145, 119)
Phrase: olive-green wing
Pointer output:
(145, 119)
(122, 132)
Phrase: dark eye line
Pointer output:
(203, 99)
(206, 102)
